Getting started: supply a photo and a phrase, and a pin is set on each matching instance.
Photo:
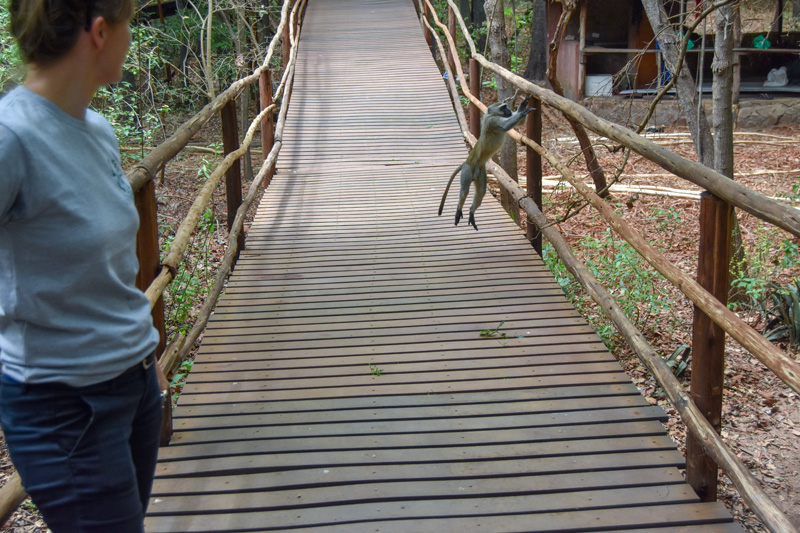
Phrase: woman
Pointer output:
(80, 403)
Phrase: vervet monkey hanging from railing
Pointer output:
(494, 125)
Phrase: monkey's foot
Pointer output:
(472, 221)
(459, 214)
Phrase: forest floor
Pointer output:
(761, 415)
(761, 418)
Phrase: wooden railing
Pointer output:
(700, 409)
(155, 273)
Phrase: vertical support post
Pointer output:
(533, 169)
(286, 44)
(426, 12)
(233, 177)
(267, 123)
(708, 339)
(451, 27)
(475, 89)
(581, 89)
(147, 250)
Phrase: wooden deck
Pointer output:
(349, 273)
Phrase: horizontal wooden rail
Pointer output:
(755, 203)
(173, 357)
(184, 233)
(773, 358)
(12, 493)
(164, 152)
(692, 416)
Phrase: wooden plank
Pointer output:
(485, 518)
(205, 417)
(285, 422)
(570, 492)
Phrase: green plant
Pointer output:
(760, 265)
(195, 275)
(678, 362)
(641, 292)
(496, 332)
(782, 314)
(374, 370)
(11, 67)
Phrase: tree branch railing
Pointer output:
(759, 205)
(12, 494)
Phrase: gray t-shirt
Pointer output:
(69, 310)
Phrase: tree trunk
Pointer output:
(536, 71)
(670, 45)
(478, 18)
(498, 53)
(208, 65)
(725, 70)
(598, 176)
(466, 10)
(737, 61)
(242, 32)
(721, 91)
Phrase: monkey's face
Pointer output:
(499, 110)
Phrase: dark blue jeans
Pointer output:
(86, 455)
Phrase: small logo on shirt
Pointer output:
(122, 181)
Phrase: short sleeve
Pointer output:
(12, 172)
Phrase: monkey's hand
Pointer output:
(459, 214)
(472, 221)
(523, 107)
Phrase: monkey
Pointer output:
(494, 125)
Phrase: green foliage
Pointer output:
(678, 362)
(182, 372)
(11, 67)
(782, 313)
(496, 332)
(639, 289)
(374, 370)
(185, 294)
(763, 261)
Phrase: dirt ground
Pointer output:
(761, 415)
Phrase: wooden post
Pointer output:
(475, 89)
(148, 252)
(286, 45)
(580, 90)
(286, 48)
(451, 27)
(267, 123)
(233, 177)
(426, 12)
(708, 339)
(533, 169)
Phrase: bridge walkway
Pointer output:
(343, 385)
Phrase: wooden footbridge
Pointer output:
(343, 384)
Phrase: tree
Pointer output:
(498, 53)
(670, 42)
(598, 176)
(536, 70)
(474, 15)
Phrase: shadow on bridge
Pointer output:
(343, 383)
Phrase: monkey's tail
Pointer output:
(446, 189)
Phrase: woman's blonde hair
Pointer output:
(45, 30)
